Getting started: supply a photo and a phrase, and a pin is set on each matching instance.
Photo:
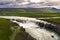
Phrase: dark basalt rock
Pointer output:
(55, 28)
(52, 36)
(23, 35)
(40, 24)
(49, 26)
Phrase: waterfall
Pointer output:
(32, 28)
(35, 27)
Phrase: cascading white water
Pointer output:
(36, 32)
(32, 28)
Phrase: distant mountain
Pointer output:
(28, 10)
(57, 10)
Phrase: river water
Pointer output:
(32, 28)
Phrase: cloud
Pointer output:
(29, 4)
(6, 0)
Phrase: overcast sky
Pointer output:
(35, 0)
(7, 0)
(15, 3)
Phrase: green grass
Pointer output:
(29, 12)
(36, 15)
(6, 33)
(56, 20)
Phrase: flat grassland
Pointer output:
(29, 12)
(36, 15)
(8, 30)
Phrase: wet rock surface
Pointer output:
(23, 36)
(56, 28)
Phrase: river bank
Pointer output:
(57, 27)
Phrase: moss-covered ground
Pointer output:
(8, 33)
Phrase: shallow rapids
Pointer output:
(36, 31)
(32, 27)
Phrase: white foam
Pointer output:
(33, 29)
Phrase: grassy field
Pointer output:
(36, 15)
(56, 20)
(29, 12)
(6, 33)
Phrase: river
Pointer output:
(32, 28)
